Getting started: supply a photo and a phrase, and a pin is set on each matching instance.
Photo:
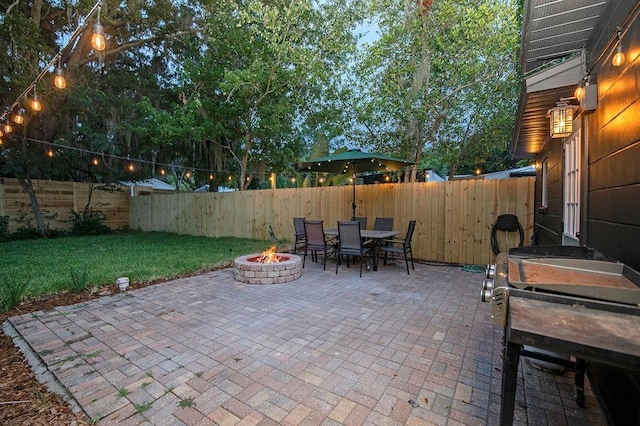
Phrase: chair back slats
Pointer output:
(298, 225)
(362, 220)
(407, 239)
(349, 235)
(383, 224)
(315, 234)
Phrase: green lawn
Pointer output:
(48, 264)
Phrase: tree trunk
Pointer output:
(25, 182)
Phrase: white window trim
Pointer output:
(571, 198)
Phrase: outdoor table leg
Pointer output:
(510, 362)
(579, 381)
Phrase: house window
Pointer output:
(572, 187)
(544, 202)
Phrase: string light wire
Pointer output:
(83, 24)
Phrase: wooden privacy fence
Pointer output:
(454, 219)
(56, 201)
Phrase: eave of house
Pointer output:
(554, 36)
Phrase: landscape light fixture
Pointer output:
(59, 80)
(98, 40)
(618, 57)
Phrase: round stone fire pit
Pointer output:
(247, 269)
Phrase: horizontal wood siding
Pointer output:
(58, 199)
(453, 219)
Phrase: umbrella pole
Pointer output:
(353, 202)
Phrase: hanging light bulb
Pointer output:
(98, 40)
(36, 105)
(95, 162)
(50, 153)
(618, 57)
(7, 128)
(18, 117)
(59, 80)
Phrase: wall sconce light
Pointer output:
(561, 119)
(59, 80)
(618, 57)
(98, 40)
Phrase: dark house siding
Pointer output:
(611, 184)
(548, 222)
(613, 190)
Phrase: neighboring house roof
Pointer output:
(205, 188)
(151, 182)
(503, 174)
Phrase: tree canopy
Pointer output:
(204, 92)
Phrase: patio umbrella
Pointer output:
(353, 162)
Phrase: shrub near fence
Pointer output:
(454, 218)
(56, 201)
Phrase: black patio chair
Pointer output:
(350, 243)
(362, 220)
(401, 246)
(316, 242)
(383, 224)
(298, 226)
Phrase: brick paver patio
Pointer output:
(327, 349)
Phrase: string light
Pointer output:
(98, 40)
(46, 69)
(59, 80)
(36, 105)
(618, 57)
(7, 128)
(131, 165)
(18, 117)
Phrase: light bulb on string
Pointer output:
(59, 80)
(36, 105)
(50, 153)
(98, 40)
(95, 162)
(618, 57)
(7, 128)
(18, 117)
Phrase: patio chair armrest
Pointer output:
(393, 240)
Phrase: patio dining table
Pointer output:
(367, 234)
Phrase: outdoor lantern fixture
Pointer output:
(98, 40)
(618, 57)
(59, 80)
(561, 119)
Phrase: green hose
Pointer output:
(474, 268)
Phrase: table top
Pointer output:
(366, 233)
(610, 337)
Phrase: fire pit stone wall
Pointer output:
(247, 270)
